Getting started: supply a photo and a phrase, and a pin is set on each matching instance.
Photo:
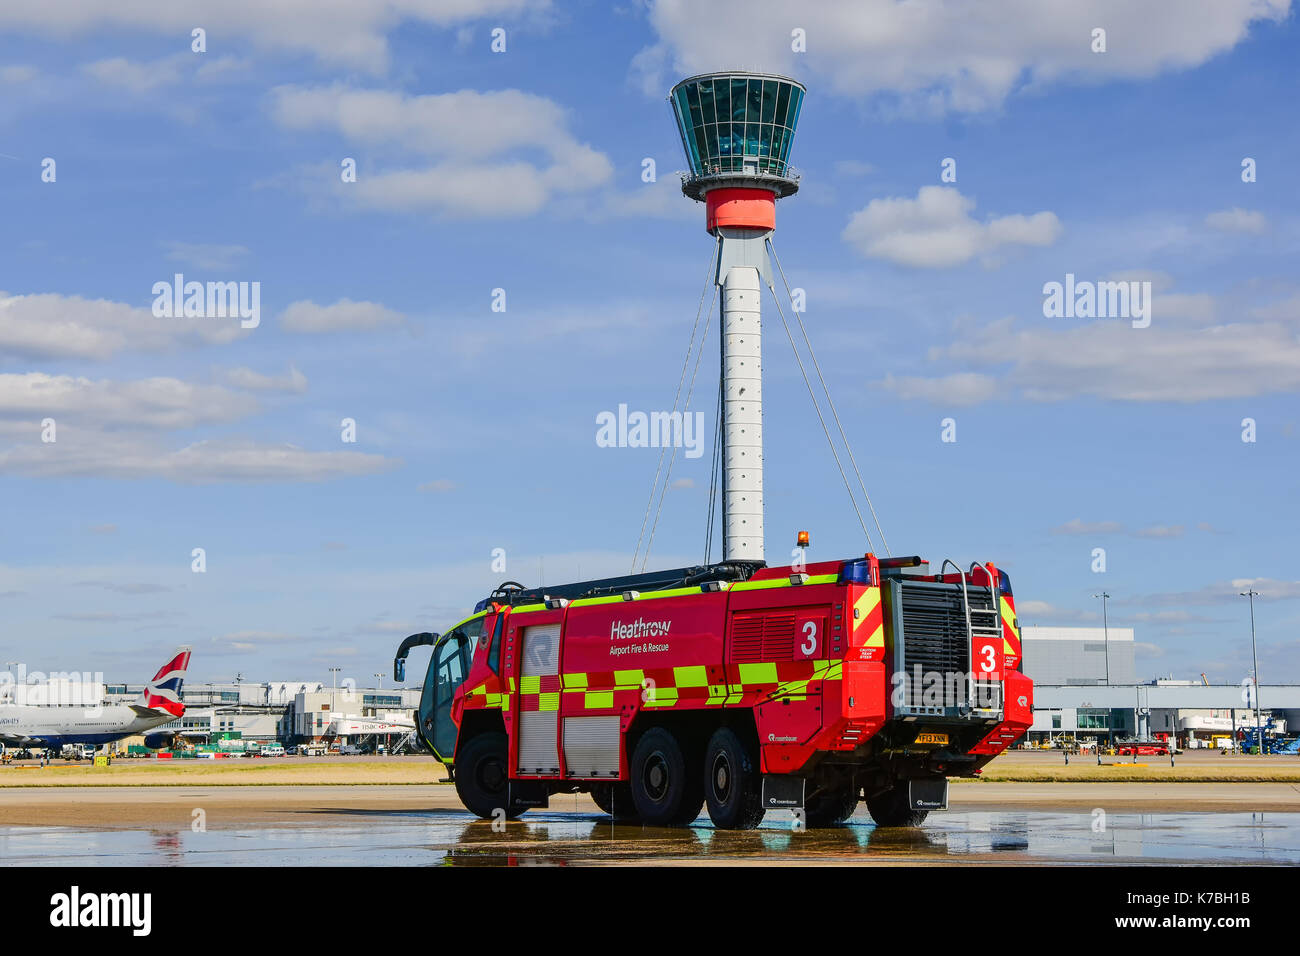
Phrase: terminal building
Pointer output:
(288, 712)
(1086, 687)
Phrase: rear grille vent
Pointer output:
(934, 628)
(762, 637)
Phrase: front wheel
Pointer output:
(483, 782)
(891, 808)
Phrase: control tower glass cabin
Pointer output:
(737, 129)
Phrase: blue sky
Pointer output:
(522, 170)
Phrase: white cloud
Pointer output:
(1079, 526)
(291, 381)
(1221, 592)
(343, 316)
(133, 76)
(959, 389)
(204, 462)
(936, 230)
(934, 56)
(205, 255)
(1161, 531)
(1178, 358)
(1237, 220)
(471, 154)
(16, 73)
(160, 403)
(48, 325)
(336, 31)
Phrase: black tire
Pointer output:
(482, 780)
(665, 790)
(890, 808)
(831, 807)
(733, 786)
(615, 799)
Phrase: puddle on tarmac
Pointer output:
(364, 838)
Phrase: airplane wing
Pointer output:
(11, 740)
(142, 711)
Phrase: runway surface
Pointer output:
(423, 825)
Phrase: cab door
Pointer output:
(447, 669)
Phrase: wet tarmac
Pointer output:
(553, 837)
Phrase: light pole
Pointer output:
(1259, 715)
(381, 680)
(1105, 630)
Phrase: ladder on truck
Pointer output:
(983, 697)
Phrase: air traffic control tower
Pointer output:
(737, 129)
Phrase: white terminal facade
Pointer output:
(1086, 688)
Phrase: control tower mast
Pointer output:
(737, 130)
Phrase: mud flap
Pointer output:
(928, 794)
(527, 794)
(783, 792)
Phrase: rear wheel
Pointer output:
(615, 799)
(482, 781)
(890, 808)
(732, 785)
(665, 790)
(831, 807)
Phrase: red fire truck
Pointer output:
(734, 686)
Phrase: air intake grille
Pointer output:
(762, 637)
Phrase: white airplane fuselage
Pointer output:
(26, 726)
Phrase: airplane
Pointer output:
(28, 728)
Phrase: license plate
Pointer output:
(931, 738)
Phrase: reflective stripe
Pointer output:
(863, 606)
(877, 639)
(1008, 620)
(529, 608)
(530, 684)
(628, 678)
(691, 676)
(588, 602)
(549, 701)
(784, 583)
(757, 673)
(598, 700)
(573, 681)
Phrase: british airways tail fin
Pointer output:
(163, 693)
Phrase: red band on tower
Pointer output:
(740, 208)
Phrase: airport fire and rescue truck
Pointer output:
(739, 687)
(733, 685)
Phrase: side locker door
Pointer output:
(539, 707)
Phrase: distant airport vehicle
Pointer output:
(27, 727)
(273, 750)
(1142, 748)
(311, 750)
(350, 750)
